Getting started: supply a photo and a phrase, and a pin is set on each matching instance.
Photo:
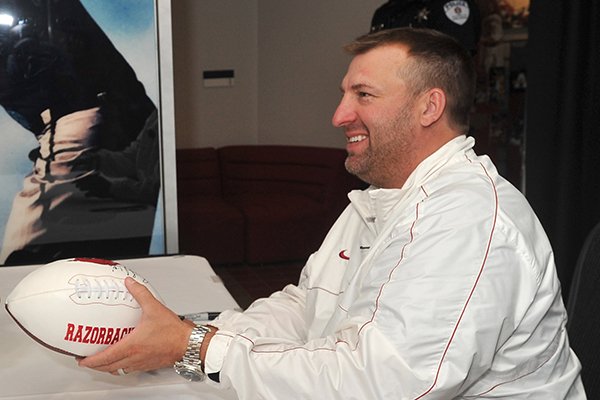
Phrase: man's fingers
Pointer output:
(151, 344)
(139, 292)
(105, 358)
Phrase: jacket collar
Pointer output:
(375, 205)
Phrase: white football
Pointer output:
(76, 306)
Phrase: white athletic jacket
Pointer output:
(443, 289)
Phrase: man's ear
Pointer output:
(434, 105)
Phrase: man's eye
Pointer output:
(364, 94)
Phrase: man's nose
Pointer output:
(344, 114)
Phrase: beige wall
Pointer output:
(288, 65)
(214, 35)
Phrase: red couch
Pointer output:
(259, 204)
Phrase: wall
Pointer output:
(288, 66)
(213, 35)
(301, 65)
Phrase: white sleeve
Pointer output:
(282, 315)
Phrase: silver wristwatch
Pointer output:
(190, 366)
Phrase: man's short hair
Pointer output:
(437, 60)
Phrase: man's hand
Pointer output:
(157, 341)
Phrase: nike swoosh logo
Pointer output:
(343, 255)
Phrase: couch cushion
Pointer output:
(207, 225)
(281, 226)
(211, 228)
(301, 170)
(198, 172)
(289, 195)
(273, 203)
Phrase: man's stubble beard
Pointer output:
(390, 154)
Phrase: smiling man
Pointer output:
(378, 116)
(437, 282)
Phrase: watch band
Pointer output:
(190, 366)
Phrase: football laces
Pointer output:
(100, 289)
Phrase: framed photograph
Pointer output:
(87, 122)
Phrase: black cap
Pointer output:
(457, 18)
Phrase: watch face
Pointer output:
(191, 374)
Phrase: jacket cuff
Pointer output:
(215, 354)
